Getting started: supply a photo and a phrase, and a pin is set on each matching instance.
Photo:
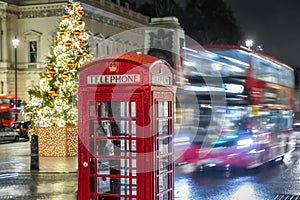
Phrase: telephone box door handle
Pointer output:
(85, 164)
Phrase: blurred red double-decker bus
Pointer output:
(10, 107)
(245, 103)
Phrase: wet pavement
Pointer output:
(56, 178)
(273, 181)
(28, 186)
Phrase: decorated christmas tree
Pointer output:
(54, 101)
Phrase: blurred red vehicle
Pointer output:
(245, 100)
(10, 106)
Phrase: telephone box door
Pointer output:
(108, 147)
(164, 149)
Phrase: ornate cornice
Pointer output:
(114, 8)
(37, 11)
(107, 20)
(91, 12)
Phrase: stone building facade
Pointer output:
(35, 22)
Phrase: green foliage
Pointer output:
(53, 101)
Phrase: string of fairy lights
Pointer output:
(54, 101)
(52, 106)
(57, 141)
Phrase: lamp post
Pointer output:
(15, 43)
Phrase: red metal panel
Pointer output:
(118, 135)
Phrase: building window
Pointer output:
(97, 50)
(107, 50)
(1, 87)
(32, 51)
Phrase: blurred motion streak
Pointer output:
(245, 103)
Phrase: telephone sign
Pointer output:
(126, 122)
(114, 79)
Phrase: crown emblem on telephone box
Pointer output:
(113, 68)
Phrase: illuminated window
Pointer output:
(32, 51)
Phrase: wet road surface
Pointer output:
(280, 180)
(57, 179)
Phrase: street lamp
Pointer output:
(15, 43)
(249, 43)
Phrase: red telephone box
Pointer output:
(125, 105)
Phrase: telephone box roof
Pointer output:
(132, 57)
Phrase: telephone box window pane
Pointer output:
(104, 128)
(92, 165)
(112, 109)
(120, 109)
(164, 196)
(92, 147)
(103, 185)
(125, 148)
(92, 114)
(163, 127)
(163, 109)
(91, 127)
(113, 128)
(163, 146)
(122, 128)
(103, 168)
(133, 163)
(163, 182)
(133, 129)
(108, 185)
(133, 146)
(123, 167)
(125, 145)
(109, 147)
(127, 188)
(103, 109)
(133, 109)
(92, 184)
(105, 147)
(121, 186)
(164, 163)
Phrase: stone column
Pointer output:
(165, 39)
(4, 49)
(3, 32)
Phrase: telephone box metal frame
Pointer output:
(125, 126)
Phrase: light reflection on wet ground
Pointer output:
(263, 183)
(39, 186)
(190, 184)
(57, 178)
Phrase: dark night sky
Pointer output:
(275, 24)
